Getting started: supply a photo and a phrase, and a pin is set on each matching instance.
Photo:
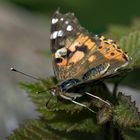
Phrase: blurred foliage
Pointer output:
(95, 15)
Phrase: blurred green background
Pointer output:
(95, 15)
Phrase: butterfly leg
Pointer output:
(75, 102)
(95, 73)
(47, 103)
(96, 97)
(52, 105)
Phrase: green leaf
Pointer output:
(33, 130)
(132, 133)
(104, 115)
(131, 44)
(40, 130)
(82, 122)
(125, 114)
(61, 115)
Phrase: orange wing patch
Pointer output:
(89, 43)
(78, 42)
(92, 58)
(111, 51)
(81, 40)
(77, 56)
(63, 62)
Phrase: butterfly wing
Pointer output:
(65, 30)
(75, 51)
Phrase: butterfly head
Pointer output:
(54, 90)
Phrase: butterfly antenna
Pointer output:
(15, 70)
(96, 97)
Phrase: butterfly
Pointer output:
(79, 57)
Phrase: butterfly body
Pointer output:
(79, 57)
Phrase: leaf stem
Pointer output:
(115, 89)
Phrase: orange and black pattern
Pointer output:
(78, 56)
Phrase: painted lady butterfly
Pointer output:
(79, 57)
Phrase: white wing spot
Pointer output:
(60, 33)
(60, 52)
(69, 28)
(62, 19)
(66, 22)
(55, 34)
(54, 20)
